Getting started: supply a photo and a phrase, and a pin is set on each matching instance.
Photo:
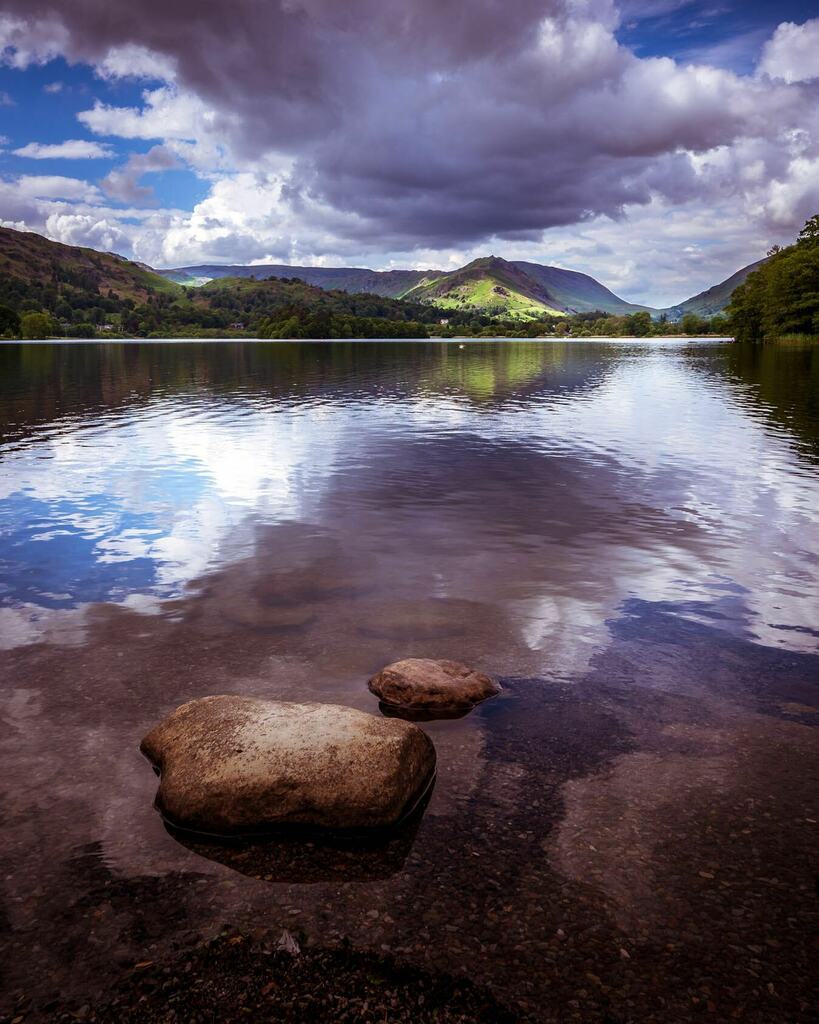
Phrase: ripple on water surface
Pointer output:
(627, 533)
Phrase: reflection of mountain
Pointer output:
(43, 386)
(490, 374)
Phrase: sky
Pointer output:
(658, 145)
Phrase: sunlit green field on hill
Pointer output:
(486, 295)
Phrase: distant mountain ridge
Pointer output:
(533, 288)
(512, 287)
(713, 300)
(576, 291)
(389, 284)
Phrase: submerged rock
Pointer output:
(422, 683)
(238, 765)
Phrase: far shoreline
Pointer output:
(326, 341)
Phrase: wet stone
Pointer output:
(426, 684)
(232, 765)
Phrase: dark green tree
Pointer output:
(9, 321)
(782, 297)
(639, 324)
(694, 325)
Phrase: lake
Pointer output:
(626, 533)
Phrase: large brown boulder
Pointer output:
(238, 765)
(421, 683)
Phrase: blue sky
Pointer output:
(42, 105)
(728, 33)
(392, 134)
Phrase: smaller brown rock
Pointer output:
(417, 683)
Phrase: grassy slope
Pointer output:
(32, 258)
(578, 292)
(488, 284)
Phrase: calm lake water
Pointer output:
(626, 533)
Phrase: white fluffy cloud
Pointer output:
(31, 40)
(133, 61)
(54, 186)
(71, 149)
(792, 54)
(352, 134)
(165, 114)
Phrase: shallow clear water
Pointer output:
(627, 533)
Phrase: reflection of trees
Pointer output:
(492, 372)
(43, 383)
(783, 381)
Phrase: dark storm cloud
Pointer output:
(435, 122)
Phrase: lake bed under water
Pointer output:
(626, 533)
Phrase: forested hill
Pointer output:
(781, 297)
(291, 308)
(34, 269)
(78, 292)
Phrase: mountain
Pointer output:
(527, 290)
(31, 265)
(78, 285)
(488, 285)
(714, 299)
(387, 283)
(82, 291)
(541, 290)
(577, 292)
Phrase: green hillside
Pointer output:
(577, 292)
(52, 290)
(37, 269)
(489, 285)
